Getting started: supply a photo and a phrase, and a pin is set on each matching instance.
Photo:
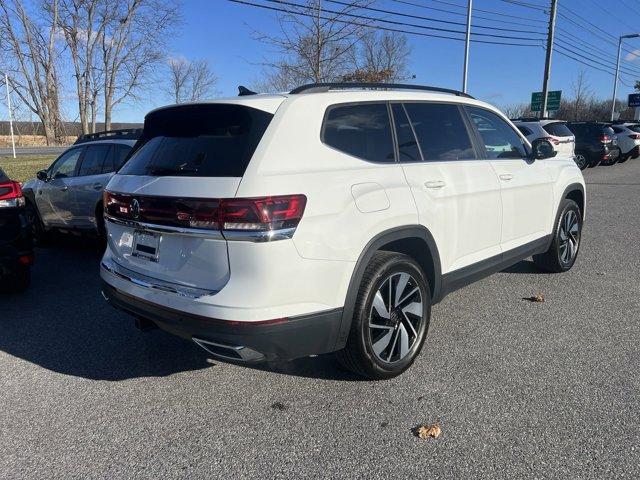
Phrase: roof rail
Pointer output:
(529, 119)
(122, 134)
(325, 87)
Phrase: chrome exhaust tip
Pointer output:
(236, 353)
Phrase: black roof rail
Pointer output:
(122, 134)
(325, 87)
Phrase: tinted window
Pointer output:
(500, 140)
(3, 177)
(441, 131)
(93, 160)
(634, 128)
(525, 131)
(65, 166)
(407, 144)
(617, 129)
(361, 130)
(608, 131)
(118, 156)
(210, 140)
(558, 129)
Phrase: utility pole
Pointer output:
(547, 63)
(466, 47)
(13, 143)
(615, 78)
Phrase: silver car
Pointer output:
(68, 195)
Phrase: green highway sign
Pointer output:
(553, 100)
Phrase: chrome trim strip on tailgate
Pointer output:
(231, 235)
(154, 283)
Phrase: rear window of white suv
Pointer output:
(202, 140)
(558, 129)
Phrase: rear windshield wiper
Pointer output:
(171, 171)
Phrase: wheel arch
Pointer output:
(576, 192)
(413, 240)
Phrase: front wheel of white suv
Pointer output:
(391, 317)
(565, 244)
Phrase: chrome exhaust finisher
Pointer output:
(236, 353)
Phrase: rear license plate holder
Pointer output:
(146, 245)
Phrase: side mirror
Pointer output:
(541, 149)
(42, 175)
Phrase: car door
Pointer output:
(457, 193)
(95, 171)
(53, 198)
(526, 186)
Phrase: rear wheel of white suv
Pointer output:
(391, 317)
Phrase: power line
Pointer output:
(525, 5)
(560, 52)
(402, 24)
(420, 17)
(379, 27)
(491, 12)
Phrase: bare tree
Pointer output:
(517, 110)
(133, 42)
(189, 81)
(313, 43)
(582, 96)
(83, 26)
(31, 49)
(379, 57)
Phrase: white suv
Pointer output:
(555, 131)
(329, 219)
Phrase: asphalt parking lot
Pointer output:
(520, 389)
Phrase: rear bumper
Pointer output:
(242, 341)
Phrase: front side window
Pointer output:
(499, 139)
(65, 166)
(93, 160)
(362, 130)
(441, 131)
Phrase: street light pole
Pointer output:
(466, 47)
(615, 79)
(547, 62)
(13, 143)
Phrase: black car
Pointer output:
(595, 144)
(16, 248)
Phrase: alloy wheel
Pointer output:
(581, 160)
(569, 237)
(396, 317)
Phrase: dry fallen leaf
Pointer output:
(279, 406)
(537, 298)
(427, 431)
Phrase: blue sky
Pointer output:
(220, 31)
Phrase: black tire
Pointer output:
(581, 160)
(557, 258)
(40, 236)
(624, 157)
(17, 281)
(360, 355)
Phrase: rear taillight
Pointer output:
(605, 138)
(555, 141)
(260, 214)
(11, 195)
(635, 136)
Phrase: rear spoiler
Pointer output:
(123, 134)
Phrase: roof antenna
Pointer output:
(243, 91)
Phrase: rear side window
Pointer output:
(608, 131)
(499, 139)
(634, 128)
(441, 131)
(558, 129)
(525, 131)
(93, 160)
(116, 159)
(362, 130)
(204, 140)
(407, 144)
(3, 177)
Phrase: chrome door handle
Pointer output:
(434, 184)
(97, 186)
(506, 176)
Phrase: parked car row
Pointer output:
(328, 219)
(591, 143)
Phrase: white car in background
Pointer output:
(554, 131)
(628, 135)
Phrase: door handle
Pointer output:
(506, 176)
(434, 184)
(64, 189)
(97, 186)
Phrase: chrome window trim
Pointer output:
(154, 283)
(230, 235)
